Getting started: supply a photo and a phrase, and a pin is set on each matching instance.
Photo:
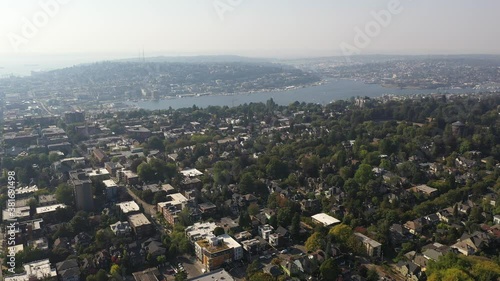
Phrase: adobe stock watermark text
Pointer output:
(31, 26)
(363, 36)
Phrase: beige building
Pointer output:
(141, 226)
(373, 248)
(214, 251)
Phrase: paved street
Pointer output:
(148, 209)
(44, 107)
(192, 266)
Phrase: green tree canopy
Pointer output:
(261, 276)
(315, 242)
(253, 268)
(329, 269)
(253, 209)
(363, 174)
(219, 231)
(64, 194)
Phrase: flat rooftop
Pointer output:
(220, 274)
(174, 200)
(40, 269)
(26, 189)
(325, 219)
(109, 183)
(425, 188)
(227, 222)
(121, 226)
(98, 172)
(191, 173)
(137, 128)
(250, 242)
(130, 174)
(150, 274)
(200, 230)
(49, 209)
(47, 198)
(19, 212)
(128, 207)
(137, 220)
(205, 244)
(167, 188)
(367, 240)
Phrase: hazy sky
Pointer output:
(271, 28)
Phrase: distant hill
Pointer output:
(163, 77)
(194, 59)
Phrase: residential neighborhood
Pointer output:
(347, 191)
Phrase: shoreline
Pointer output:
(287, 89)
(322, 82)
(330, 90)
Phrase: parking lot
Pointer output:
(238, 271)
(192, 267)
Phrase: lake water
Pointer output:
(322, 94)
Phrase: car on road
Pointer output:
(284, 251)
(170, 271)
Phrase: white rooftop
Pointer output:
(191, 173)
(73, 159)
(98, 172)
(128, 207)
(230, 242)
(109, 183)
(40, 269)
(41, 243)
(120, 227)
(19, 212)
(220, 274)
(200, 230)
(175, 199)
(48, 209)
(325, 219)
(26, 189)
